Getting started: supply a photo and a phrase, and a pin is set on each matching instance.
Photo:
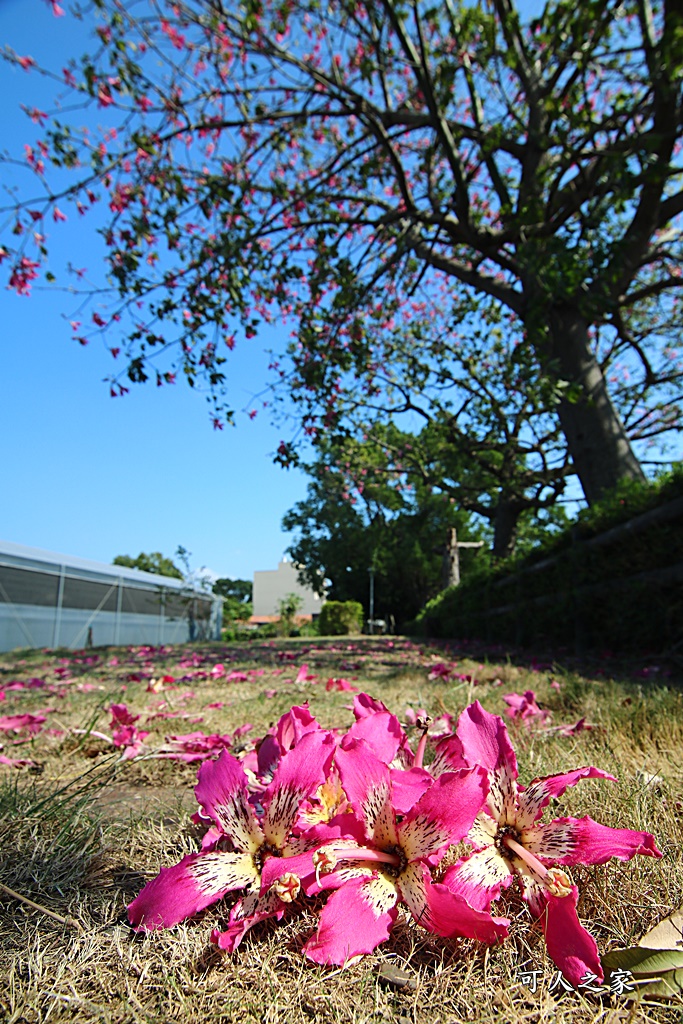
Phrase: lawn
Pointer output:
(94, 803)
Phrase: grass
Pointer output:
(81, 831)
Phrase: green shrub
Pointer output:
(339, 618)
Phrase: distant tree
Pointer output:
(154, 562)
(287, 608)
(237, 598)
(397, 530)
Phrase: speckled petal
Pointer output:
(485, 742)
(584, 841)
(367, 784)
(222, 791)
(538, 793)
(244, 915)
(299, 773)
(186, 888)
(479, 878)
(443, 815)
(355, 919)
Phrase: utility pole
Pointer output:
(451, 558)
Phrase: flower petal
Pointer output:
(296, 723)
(479, 878)
(186, 888)
(244, 915)
(355, 919)
(299, 773)
(444, 813)
(570, 946)
(407, 786)
(222, 792)
(537, 794)
(382, 732)
(485, 742)
(449, 914)
(367, 784)
(448, 756)
(584, 841)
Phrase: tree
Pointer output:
(398, 530)
(340, 165)
(154, 562)
(288, 607)
(237, 596)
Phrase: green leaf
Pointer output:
(655, 972)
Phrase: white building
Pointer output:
(52, 600)
(272, 585)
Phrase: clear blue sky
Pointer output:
(92, 476)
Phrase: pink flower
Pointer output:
(17, 723)
(304, 676)
(222, 791)
(522, 707)
(390, 862)
(511, 843)
(340, 684)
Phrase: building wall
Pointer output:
(270, 586)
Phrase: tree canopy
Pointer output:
(380, 524)
(154, 562)
(385, 170)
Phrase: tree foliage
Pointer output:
(399, 530)
(237, 598)
(368, 171)
(154, 562)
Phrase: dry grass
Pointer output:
(80, 836)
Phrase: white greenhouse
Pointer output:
(52, 600)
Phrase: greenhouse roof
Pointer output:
(21, 554)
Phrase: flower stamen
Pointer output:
(556, 880)
(326, 858)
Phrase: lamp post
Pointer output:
(371, 570)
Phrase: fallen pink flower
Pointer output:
(391, 864)
(18, 762)
(441, 671)
(17, 723)
(201, 879)
(511, 843)
(341, 685)
(522, 707)
(304, 676)
(571, 730)
(120, 715)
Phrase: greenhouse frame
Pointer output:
(49, 600)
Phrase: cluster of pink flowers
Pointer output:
(363, 817)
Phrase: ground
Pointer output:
(84, 824)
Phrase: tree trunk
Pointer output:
(601, 452)
(505, 528)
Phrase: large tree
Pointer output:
(338, 164)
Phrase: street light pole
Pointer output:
(371, 570)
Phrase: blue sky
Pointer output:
(87, 475)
